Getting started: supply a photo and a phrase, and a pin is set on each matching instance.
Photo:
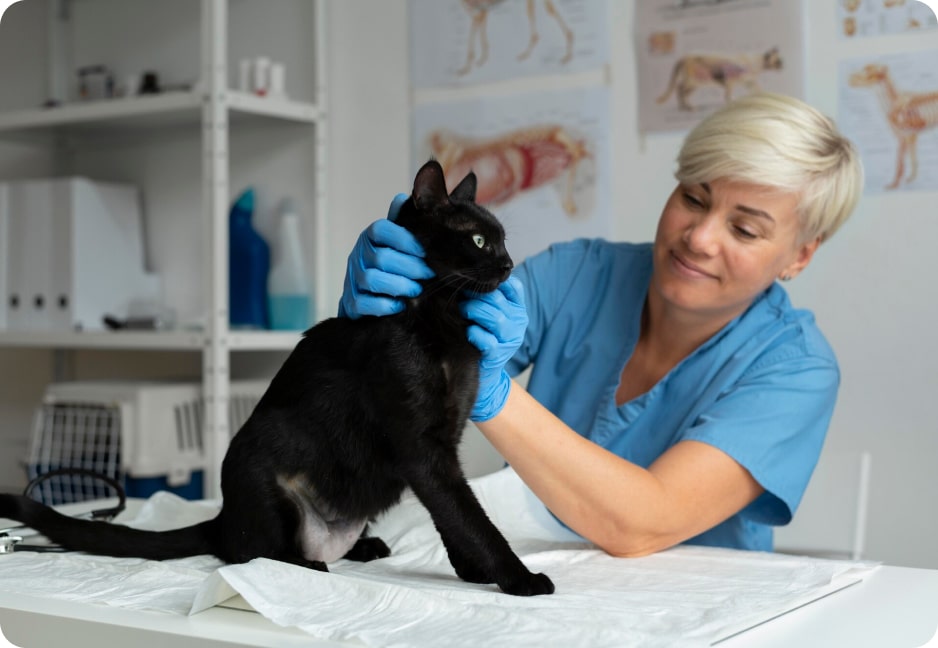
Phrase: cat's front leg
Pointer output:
(477, 550)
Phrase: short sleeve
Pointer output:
(547, 278)
(773, 422)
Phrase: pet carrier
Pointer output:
(146, 435)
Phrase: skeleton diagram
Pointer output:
(479, 9)
(909, 114)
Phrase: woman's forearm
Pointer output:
(623, 508)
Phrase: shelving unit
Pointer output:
(215, 111)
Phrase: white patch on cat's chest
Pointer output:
(322, 534)
(447, 370)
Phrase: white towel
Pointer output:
(684, 596)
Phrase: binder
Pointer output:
(74, 253)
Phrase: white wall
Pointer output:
(870, 287)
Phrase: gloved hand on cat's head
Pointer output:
(383, 268)
(500, 319)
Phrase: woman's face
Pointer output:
(720, 244)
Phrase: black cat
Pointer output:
(360, 410)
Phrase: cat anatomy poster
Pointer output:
(859, 18)
(695, 55)
(542, 160)
(889, 108)
(465, 42)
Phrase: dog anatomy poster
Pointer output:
(696, 55)
(858, 18)
(541, 159)
(889, 108)
(464, 42)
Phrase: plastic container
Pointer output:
(288, 292)
(248, 267)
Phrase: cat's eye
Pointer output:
(479, 240)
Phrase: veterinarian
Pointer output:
(676, 395)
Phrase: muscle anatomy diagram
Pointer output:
(514, 162)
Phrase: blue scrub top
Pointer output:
(761, 390)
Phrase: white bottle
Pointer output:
(288, 282)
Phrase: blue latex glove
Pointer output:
(499, 321)
(383, 268)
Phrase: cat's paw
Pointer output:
(367, 549)
(527, 584)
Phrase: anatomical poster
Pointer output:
(696, 55)
(542, 160)
(858, 18)
(889, 109)
(465, 42)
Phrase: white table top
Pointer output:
(894, 606)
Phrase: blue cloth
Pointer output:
(761, 390)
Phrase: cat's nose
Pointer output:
(506, 269)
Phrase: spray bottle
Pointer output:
(248, 265)
(288, 285)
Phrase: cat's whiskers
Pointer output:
(452, 284)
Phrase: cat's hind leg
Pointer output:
(368, 549)
(294, 559)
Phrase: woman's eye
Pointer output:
(692, 201)
(744, 233)
(479, 240)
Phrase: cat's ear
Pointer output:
(430, 186)
(466, 189)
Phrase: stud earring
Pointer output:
(785, 277)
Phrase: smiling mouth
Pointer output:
(689, 269)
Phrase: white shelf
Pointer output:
(272, 107)
(148, 340)
(263, 340)
(154, 111)
(145, 340)
(159, 109)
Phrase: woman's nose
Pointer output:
(701, 236)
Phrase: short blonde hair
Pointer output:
(781, 142)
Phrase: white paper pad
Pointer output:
(685, 596)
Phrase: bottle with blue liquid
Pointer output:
(248, 267)
(288, 285)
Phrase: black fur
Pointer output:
(360, 410)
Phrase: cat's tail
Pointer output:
(106, 539)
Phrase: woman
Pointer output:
(676, 395)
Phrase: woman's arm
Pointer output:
(624, 509)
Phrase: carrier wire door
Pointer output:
(147, 436)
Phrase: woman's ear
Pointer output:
(802, 259)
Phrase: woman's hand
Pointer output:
(383, 269)
(499, 321)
